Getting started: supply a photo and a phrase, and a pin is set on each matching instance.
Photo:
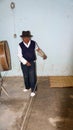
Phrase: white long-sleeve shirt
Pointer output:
(20, 56)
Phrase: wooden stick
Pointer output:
(2, 87)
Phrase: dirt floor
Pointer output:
(50, 109)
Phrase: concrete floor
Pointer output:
(51, 108)
(13, 108)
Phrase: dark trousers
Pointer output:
(29, 75)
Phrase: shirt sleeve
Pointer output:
(36, 46)
(23, 60)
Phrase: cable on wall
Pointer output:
(12, 6)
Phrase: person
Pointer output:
(27, 57)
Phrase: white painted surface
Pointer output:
(51, 23)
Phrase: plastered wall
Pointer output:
(51, 24)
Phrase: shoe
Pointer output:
(32, 94)
(25, 90)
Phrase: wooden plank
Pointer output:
(61, 81)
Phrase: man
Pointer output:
(27, 57)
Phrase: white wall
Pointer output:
(51, 23)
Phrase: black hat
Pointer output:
(26, 34)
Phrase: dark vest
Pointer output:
(28, 53)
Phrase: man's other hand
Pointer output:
(28, 64)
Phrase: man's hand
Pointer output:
(44, 57)
(28, 63)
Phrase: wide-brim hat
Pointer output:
(26, 34)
